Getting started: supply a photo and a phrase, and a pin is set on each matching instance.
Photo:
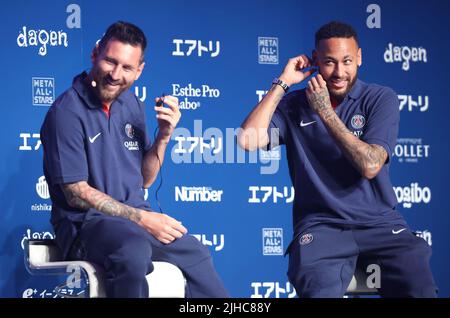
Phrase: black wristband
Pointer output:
(277, 81)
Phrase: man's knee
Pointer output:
(132, 257)
(195, 247)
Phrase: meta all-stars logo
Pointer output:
(43, 91)
(267, 50)
(272, 241)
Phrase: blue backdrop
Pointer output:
(219, 58)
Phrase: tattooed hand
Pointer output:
(317, 94)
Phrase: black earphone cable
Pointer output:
(159, 173)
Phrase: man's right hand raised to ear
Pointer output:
(296, 70)
(253, 134)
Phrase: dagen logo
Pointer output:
(405, 55)
(42, 39)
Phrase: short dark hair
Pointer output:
(124, 32)
(336, 29)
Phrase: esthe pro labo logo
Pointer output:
(413, 194)
(189, 94)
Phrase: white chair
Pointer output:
(43, 257)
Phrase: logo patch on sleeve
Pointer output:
(306, 239)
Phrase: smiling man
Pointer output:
(97, 160)
(339, 134)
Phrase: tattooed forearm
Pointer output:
(367, 158)
(376, 157)
(320, 101)
(71, 193)
(82, 196)
(115, 208)
(332, 121)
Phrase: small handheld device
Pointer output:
(161, 100)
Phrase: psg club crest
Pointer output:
(358, 121)
(129, 131)
(306, 239)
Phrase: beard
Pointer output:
(107, 89)
(340, 95)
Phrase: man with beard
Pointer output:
(97, 160)
(339, 134)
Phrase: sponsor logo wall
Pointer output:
(236, 203)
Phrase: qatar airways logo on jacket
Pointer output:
(131, 145)
(412, 194)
